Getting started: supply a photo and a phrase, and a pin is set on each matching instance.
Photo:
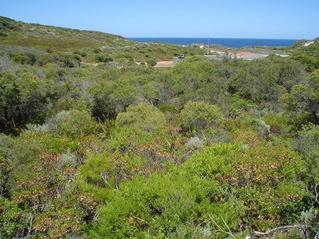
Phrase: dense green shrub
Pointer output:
(6, 143)
(153, 92)
(200, 116)
(103, 58)
(103, 108)
(155, 164)
(308, 56)
(221, 187)
(38, 201)
(23, 58)
(174, 206)
(307, 143)
(143, 116)
(71, 123)
(302, 104)
(198, 79)
(24, 99)
(260, 177)
(266, 80)
(123, 95)
(13, 220)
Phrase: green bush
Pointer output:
(220, 187)
(265, 81)
(198, 116)
(167, 206)
(42, 167)
(199, 79)
(72, 123)
(302, 104)
(13, 220)
(103, 107)
(103, 58)
(260, 178)
(142, 116)
(160, 169)
(124, 94)
(24, 99)
(6, 144)
(307, 143)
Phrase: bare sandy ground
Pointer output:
(164, 64)
(245, 55)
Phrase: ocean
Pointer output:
(226, 42)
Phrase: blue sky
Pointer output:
(285, 19)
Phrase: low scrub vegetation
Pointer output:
(94, 145)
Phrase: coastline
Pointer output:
(225, 42)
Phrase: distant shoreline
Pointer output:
(226, 42)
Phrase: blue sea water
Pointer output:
(226, 42)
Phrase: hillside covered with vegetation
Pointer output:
(97, 143)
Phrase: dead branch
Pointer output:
(271, 232)
(30, 225)
(220, 228)
(317, 193)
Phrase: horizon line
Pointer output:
(201, 37)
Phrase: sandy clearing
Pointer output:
(164, 64)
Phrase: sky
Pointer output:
(273, 19)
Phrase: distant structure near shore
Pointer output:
(240, 55)
(308, 43)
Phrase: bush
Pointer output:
(199, 79)
(260, 178)
(307, 143)
(103, 58)
(167, 206)
(220, 187)
(197, 116)
(24, 99)
(151, 62)
(143, 116)
(42, 169)
(153, 92)
(103, 108)
(71, 123)
(13, 220)
(302, 104)
(124, 94)
(266, 80)
(6, 143)
(6, 64)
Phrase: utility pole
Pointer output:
(208, 53)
